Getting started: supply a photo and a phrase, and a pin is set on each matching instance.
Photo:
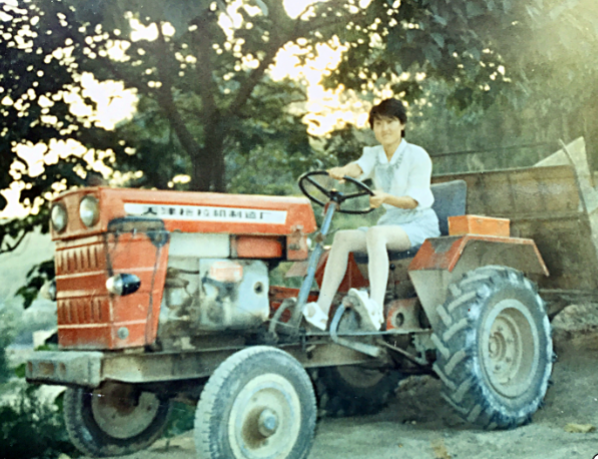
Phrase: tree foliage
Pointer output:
(32, 427)
(538, 58)
(208, 108)
(202, 86)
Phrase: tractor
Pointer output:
(165, 295)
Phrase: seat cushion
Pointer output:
(393, 255)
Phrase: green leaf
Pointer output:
(440, 20)
(473, 9)
(20, 370)
(438, 38)
(181, 12)
(409, 56)
(433, 55)
(114, 17)
(475, 53)
(262, 6)
(412, 89)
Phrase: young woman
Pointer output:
(401, 173)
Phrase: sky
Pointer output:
(327, 108)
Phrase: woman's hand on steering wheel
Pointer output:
(378, 198)
(337, 173)
(332, 194)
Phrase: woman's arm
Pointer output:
(352, 170)
(418, 190)
(403, 202)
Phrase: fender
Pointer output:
(441, 261)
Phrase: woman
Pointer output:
(401, 173)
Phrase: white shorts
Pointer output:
(423, 227)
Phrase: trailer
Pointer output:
(554, 203)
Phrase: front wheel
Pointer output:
(258, 404)
(114, 420)
(494, 349)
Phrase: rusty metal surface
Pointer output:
(89, 317)
(82, 368)
(475, 224)
(444, 260)
(191, 212)
(92, 368)
(431, 286)
(258, 247)
(445, 253)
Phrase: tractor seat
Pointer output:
(449, 201)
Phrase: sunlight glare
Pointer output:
(295, 7)
(327, 109)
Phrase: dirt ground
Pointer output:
(419, 424)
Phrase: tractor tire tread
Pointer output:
(456, 365)
(211, 399)
(72, 419)
(336, 397)
(97, 444)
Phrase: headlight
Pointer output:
(123, 284)
(58, 217)
(89, 210)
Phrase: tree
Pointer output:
(207, 105)
(538, 58)
(36, 75)
(203, 86)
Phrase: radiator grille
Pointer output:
(79, 259)
(83, 310)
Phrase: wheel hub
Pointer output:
(121, 411)
(509, 348)
(267, 422)
(265, 418)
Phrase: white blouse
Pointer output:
(407, 174)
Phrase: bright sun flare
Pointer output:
(326, 109)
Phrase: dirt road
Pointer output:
(419, 424)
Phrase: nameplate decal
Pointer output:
(206, 213)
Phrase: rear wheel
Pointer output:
(349, 390)
(258, 404)
(114, 420)
(494, 350)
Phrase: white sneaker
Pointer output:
(315, 316)
(368, 309)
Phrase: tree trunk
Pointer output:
(208, 169)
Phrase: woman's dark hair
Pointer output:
(388, 108)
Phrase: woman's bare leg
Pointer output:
(345, 241)
(379, 240)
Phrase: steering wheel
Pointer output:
(334, 195)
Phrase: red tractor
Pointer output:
(165, 295)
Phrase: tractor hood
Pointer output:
(89, 211)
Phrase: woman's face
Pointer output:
(388, 131)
